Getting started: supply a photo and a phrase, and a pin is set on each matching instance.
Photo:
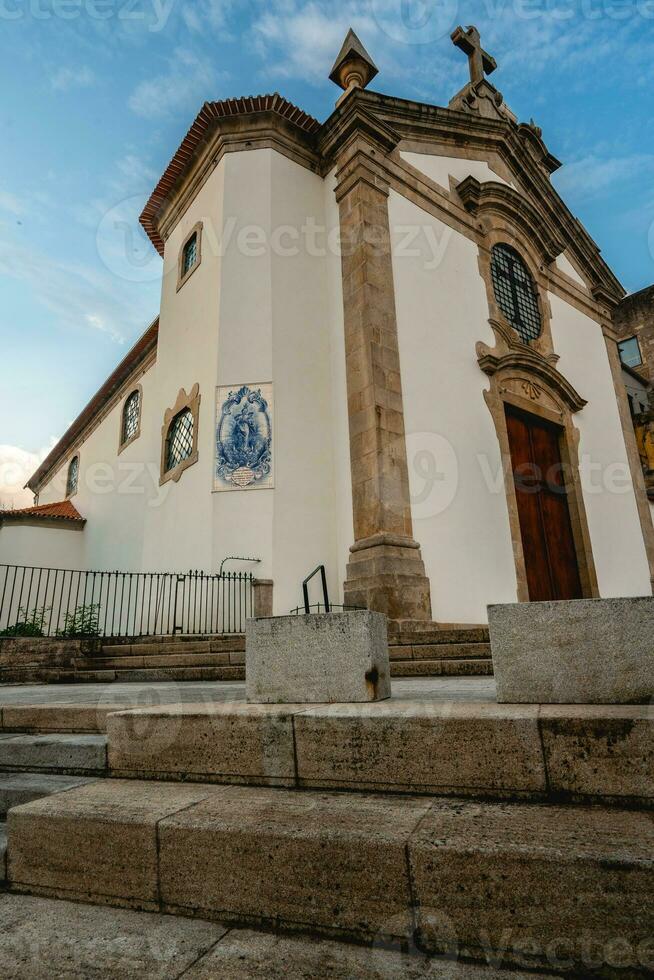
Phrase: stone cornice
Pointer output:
(491, 196)
(531, 363)
(261, 130)
(384, 121)
(447, 127)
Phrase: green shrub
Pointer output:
(28, 624)
(85, 621)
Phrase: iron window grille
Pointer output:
(73, 475)
(131, 413)
(515, 292)
(190, 255)
(179, 442)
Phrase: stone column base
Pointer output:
(262, 597)
(386, 574)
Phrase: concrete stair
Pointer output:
(73, 754)
(416, 650)
(3, 854)
(529, 881)
(23, 787)
(428, 650)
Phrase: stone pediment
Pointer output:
(496, 198)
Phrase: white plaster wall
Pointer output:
(304, 528)
(460, 518)
(114, 491)
(42, 547)
(563, 263)
(615, 531)
(178, 528)
(441, 168)
(274, 326)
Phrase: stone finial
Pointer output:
(353, 68)
(480, 62)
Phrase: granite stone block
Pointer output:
(592, 651)
(334, 657)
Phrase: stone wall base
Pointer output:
(386, 574)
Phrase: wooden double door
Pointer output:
(543, 507)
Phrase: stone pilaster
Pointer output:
(385, 571)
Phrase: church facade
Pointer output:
(384, 345)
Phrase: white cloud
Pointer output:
(79, 296)
(66, 78)
(16, 467)
(10, 203)
(594, 173)
(304, 40)
(214, 13)
(189, 81)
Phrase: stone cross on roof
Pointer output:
(481, 63)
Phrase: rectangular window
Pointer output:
(190, 254)
(630, 352)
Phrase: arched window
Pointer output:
(131, 417)
(179, 441)
(73, 476)
(515, 292)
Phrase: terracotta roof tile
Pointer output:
(61, 510)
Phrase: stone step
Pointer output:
(62, 717)
(429, 633)
(70, 753)
(175, 659)
(543, 753)
(3, 853)
(442, 668)
(528, 879)
(23, 787)
(147, 646)
(128, 675)
(44, 938)
(441, 651)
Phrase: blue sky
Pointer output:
(97, 94)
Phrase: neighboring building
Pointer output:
(437, 414)
(634, 324)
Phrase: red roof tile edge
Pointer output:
(62, 510)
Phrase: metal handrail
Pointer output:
(305, 589)
(236, 558)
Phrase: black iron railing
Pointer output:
(305, 588)
(63, 602)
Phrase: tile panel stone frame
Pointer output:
(183, 401)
